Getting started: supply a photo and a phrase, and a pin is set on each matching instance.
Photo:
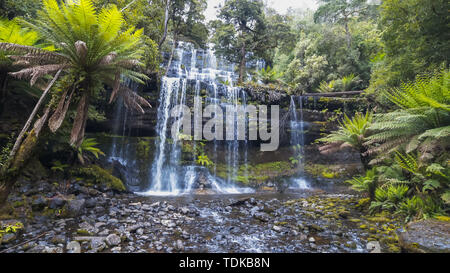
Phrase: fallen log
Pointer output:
(333, 94)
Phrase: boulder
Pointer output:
(428, 236)
(75, 207)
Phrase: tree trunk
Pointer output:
(348, 35)
(3, 94)
(21, 152)
(8, 177)
(166, 24)
(5, 189)
(242, 64)
(31, 117)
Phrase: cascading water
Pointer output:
(165, 178)
(122, 151)
(297, 142)
(168, 176)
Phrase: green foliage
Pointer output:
(351, 132)
(365, 183)
(423, 119)
(418, 207)
(186, 18)
(428, 178)
(12, 32)
(297, 158)
(204, 160)
(325, 87)
(92, 49)
(348, 82)
(143, 149)
(420, 192)
(344, 84)
(140, 14)
(5, 151)
(10, 228)
(59, 167)
(96, 175)
(321, 53)
(88, 145)
(426, 91)
(246, 30)
(13, 8)
(389, 198)
(413, 40)
(268, 75)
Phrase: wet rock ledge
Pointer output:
(428, 236)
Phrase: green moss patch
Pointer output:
(96, 175)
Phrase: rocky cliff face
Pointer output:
(318, 112)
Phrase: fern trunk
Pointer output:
(9, 176)
(365, 159)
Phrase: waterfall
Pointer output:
(168, 176)
(297, 142)
(162, 172)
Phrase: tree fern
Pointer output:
(351, 132)
(424, 114)
(91, 49)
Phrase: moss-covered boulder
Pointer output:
(96, 175)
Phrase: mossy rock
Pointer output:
(35, 170)
(96, 175)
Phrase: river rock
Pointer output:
(180, 245)
(57, 203)
(97, 244)
(277, 228)
(73, 247)
(428, 236)
(75, 207)
(49, 249)
(373, 247)
(113, 240)
(39, 203)
(8, 238)
(59, 239)
(168, 223)
(91, 202)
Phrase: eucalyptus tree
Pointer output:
(186, 22)
(415, 37)
(91, 50)
(239, 31)
(341, 12)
